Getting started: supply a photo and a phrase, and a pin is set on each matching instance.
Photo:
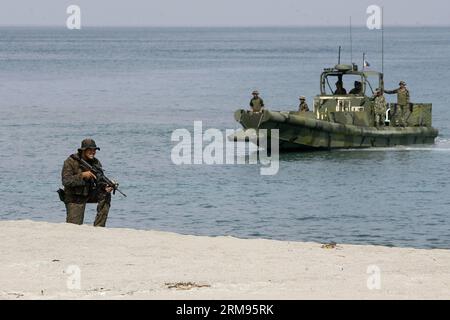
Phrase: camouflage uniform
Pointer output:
(303, 106)
(402, 104)
(257, 104)
(78, 192)
(380, 110)
(340, 89)
(357, 89)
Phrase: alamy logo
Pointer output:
(220, 149)
(374, 279)
(74, 279)
(375, 19)
(74, 20)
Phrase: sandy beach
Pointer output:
(62, 261)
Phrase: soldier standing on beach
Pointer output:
(256, 103)
(402, 103)
(303, 107)
(80, 186)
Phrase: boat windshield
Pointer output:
(372, 83)
(351, 84)
(358, 84)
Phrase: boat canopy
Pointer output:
(348, 75)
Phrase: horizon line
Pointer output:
(223, 26)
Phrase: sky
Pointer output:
(223, 12)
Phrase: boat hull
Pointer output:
(302, 131)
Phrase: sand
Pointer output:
(63, 261)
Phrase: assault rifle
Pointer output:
(101, 178)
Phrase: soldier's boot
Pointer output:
(75, 212)
(394, 119)
(103, 207)
(379, 120)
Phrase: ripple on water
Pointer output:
(387, 196)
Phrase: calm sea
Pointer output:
(129, 88)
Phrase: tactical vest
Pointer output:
(80, 193)
(402, 97)
(303, 107)
(380, 105)
(257, 105)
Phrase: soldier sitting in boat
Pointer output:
(256, 103)
(357, 89)
(303, 107)
(340, 88)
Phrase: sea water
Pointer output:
(130, 88)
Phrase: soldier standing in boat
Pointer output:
(380, 107)
(402, 103)
(303, 107)
(256, 103)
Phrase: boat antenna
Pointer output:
(364, 60)
(382, 40)
(351, 42)
(339, 55)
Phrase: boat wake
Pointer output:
(441, 145)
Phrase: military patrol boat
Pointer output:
(340, 120)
